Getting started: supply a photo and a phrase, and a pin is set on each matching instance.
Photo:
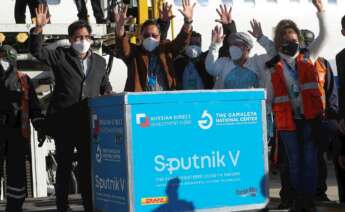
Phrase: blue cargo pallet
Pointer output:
(179, 151)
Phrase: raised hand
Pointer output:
(319, 5)
(187, 11)
(217, 35)
(256, 29)
(120, 17)
(225, 16)
(165, 13)
(41, 15)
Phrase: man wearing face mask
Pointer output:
(299, 105)
(190, 67)
(239, 70)
(18, 105)
(326, 134)
(150, 64)
(79, 74)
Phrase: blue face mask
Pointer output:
(193, 51)
(235, 52)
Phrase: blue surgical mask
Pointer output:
(193, 51)
(235, 52)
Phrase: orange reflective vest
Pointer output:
(25, 109)
(313, 97)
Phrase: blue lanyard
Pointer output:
(292, 71)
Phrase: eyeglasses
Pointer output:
(147, 35)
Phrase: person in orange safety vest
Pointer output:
(18, 105)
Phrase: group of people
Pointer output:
(20, 10)
(302, 94)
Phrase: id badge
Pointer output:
(152, 81)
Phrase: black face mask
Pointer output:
(290, 48)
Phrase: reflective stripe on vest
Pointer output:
(281, 99)
(310, 85)
(310, 94)
(24, 109)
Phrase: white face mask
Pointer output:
(81, 46)
(150, 44)
(5, 64)
(193, 51)
(235, 52)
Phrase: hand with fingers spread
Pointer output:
(120, 17)
(225, 16)
(165, 13)
(256, 29)
(319, 5)
(187, 11)
(217, 35)
(41, 16)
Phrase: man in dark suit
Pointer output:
(79, 74)
(340, 166)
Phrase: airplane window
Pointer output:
(272, 1)
(53, 2)
(203, 2)
(252, 2)
(227, 2)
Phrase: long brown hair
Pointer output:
(280, 31)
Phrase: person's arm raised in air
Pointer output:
(229, 27)
(212, 63)
(318, 44)
(183, 38)
(49, 57)
(122, 39)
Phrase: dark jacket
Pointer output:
(340, 60)
(10, 104)
(180, 65)
(228, 29)
(137, 60)
(71, 84)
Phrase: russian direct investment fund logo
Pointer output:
(206, 120)
(143, 120)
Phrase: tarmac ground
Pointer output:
(48, 204)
